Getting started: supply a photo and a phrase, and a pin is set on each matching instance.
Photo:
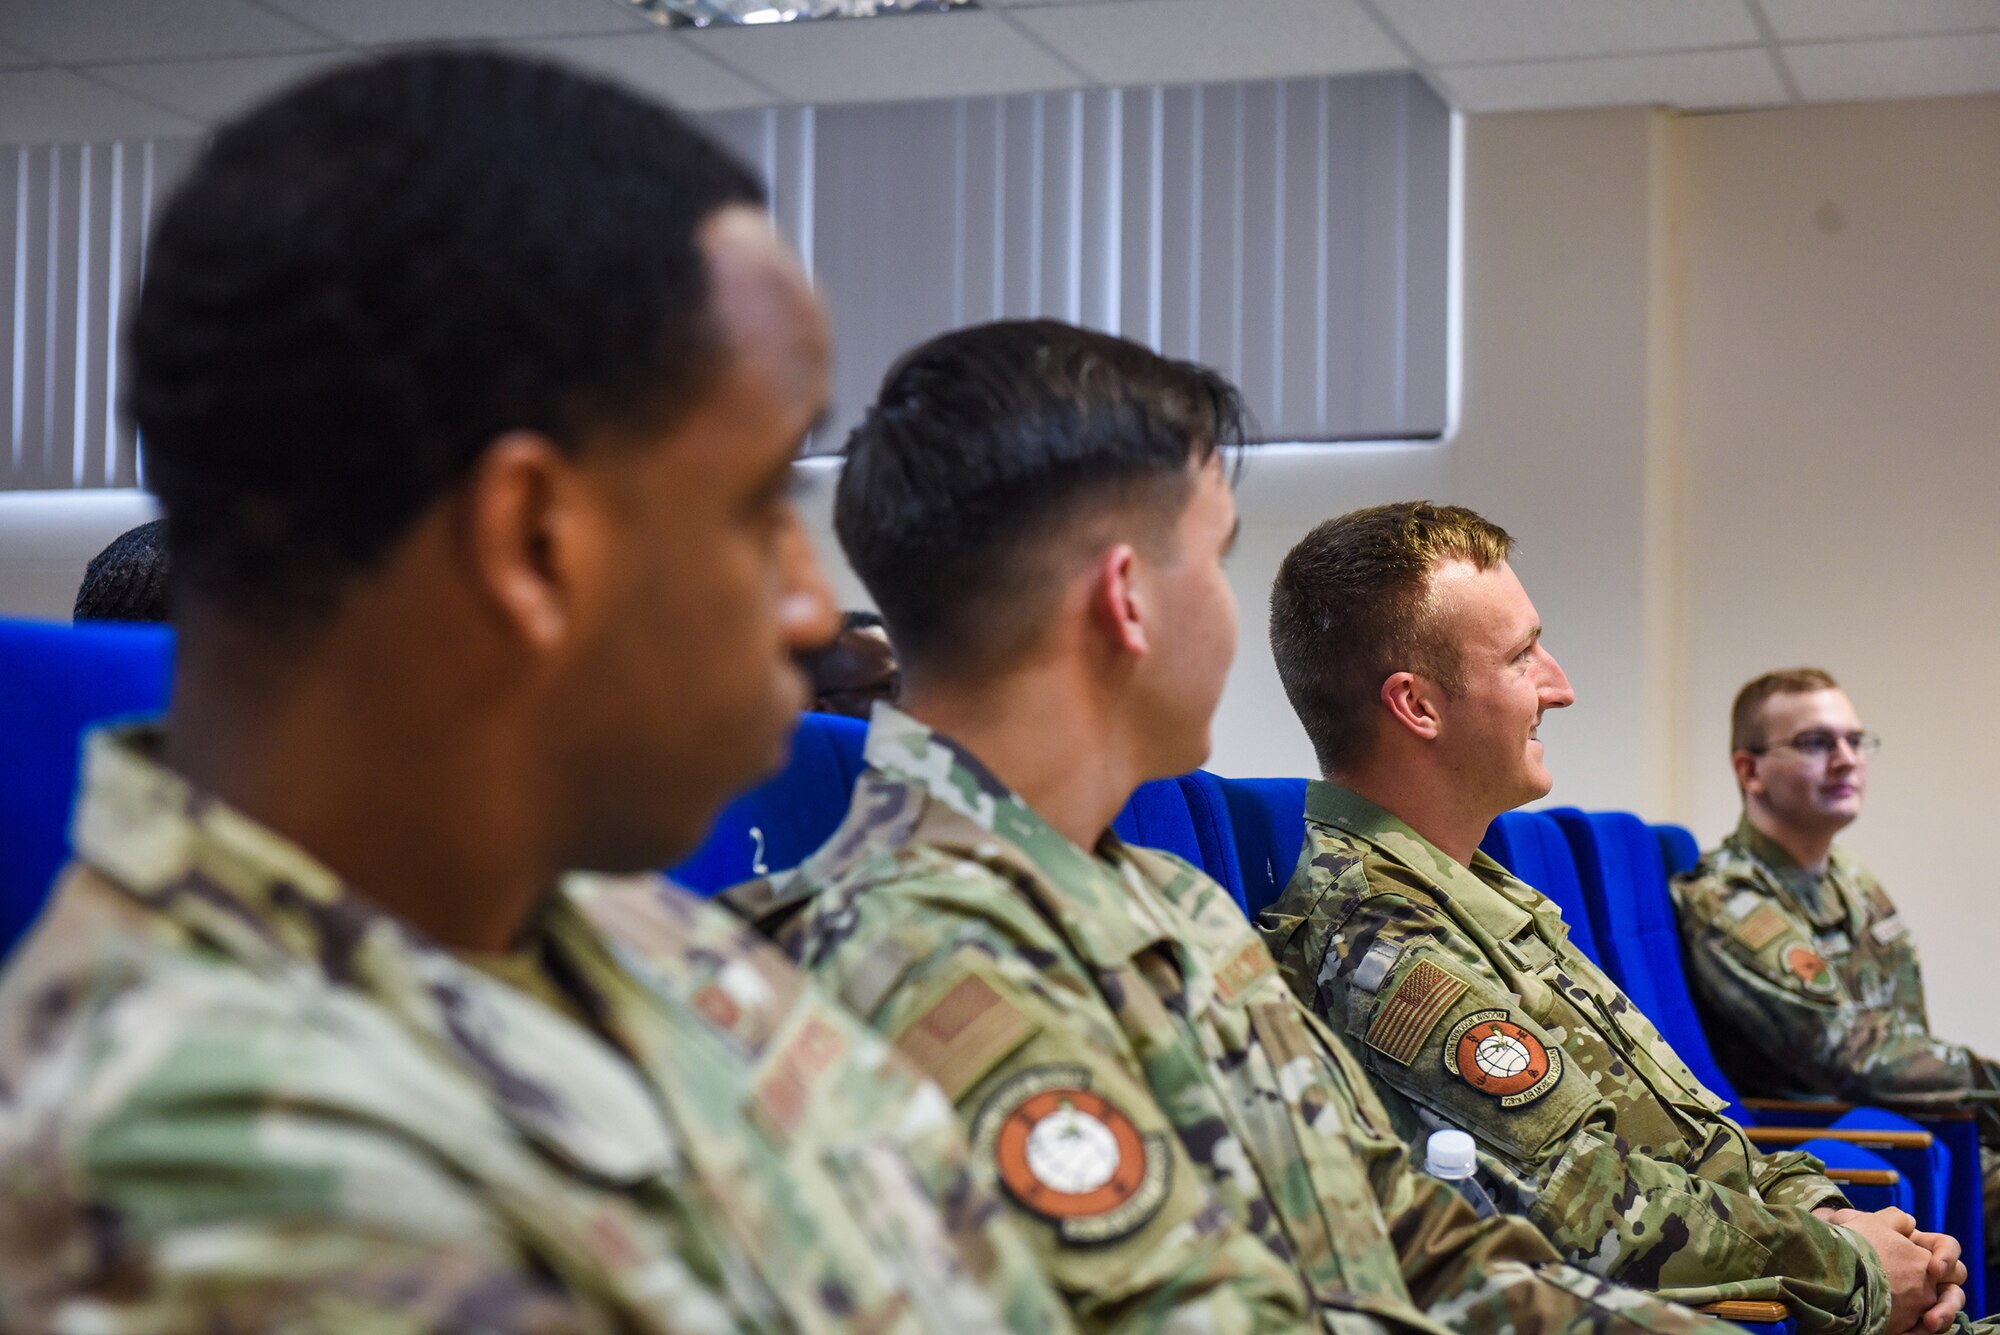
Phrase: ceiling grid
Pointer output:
(136, 68)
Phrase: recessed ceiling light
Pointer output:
(728, 13)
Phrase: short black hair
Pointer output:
(127, 581)
(367, 279)
(984, 442)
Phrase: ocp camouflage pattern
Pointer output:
(1006, 959)
(1623, 1159)
(1810, 985)
(236, 1097)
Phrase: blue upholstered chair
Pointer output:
(56, 680)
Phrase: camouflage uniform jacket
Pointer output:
(235, 1097)
(1191, 1149)
(1813, 980)
(1460, 991)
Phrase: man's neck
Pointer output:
(1421, 802)
(1044, 739)
(1809, 849)
(403, 804)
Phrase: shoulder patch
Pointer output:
(964, 1034)
(1806, 963)
(1406, 1017)
(1764, 925)
(1244, 968)
(792, 1077)
(1496, 1056)
(1889, 930)
(1072, 1156)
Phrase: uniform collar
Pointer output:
(1486, 890)
(1817, 894)
(1098, 898)
(272, 909)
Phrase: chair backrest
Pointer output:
(1531, 845)
(1268, 817)
(1214, 830)
(1632, 912)
(776, 825)
(1679, 849)
(57, 680)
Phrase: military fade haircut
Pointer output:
(988, 445)
(127, 581)
(1746, 716)
(1352, 605)
(366, 280)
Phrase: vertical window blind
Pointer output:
(1294, 234)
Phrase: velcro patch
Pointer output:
(1496, 1056)
(1890, 930)
(1408, 1014)
(787, 1089)
(1244, 968)
(1072, 1156)
(1762, 927)
(1806, 963)
(964, 1034)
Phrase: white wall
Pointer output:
(1839, 350)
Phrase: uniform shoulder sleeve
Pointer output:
(1731, 921)
(989, 1004)
(1429, 1018)
(192, 1155)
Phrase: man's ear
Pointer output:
(532, 543)
(1115, 603)
(1745, 766)
(1410, 705)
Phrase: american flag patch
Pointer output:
(1763, 927)
(1409, 1013)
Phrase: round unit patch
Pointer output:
(1072, 1156)
(1806, 963)
(1496, 1056)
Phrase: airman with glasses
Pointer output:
(1806, 974)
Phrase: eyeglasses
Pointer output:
(1821, 743)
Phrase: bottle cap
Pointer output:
(1450, 1154)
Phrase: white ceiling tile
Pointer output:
(959, 53)
(1796, 20)
(375, 22)
(213, 90)
(56, 106)
(1689, 79)
(77, 32)
(1179, 41)
(1910, 67)
(659, 64)
(1449, 32)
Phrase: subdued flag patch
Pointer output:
(964, 1034)
(1405, 1018)
(1762, 927)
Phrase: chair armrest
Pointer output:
(1834, 1108)
(1863, 1177)
(1745, 1309)
(1810, 1107)
(1762, 1136)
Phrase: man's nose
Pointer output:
(807, 616)
(1556, 690)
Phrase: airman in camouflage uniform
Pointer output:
(1603, 1137)
(1808, 979)
(1246, 1177)
(1414, 658)
(239, 1098)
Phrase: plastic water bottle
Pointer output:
(1452, 1156)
